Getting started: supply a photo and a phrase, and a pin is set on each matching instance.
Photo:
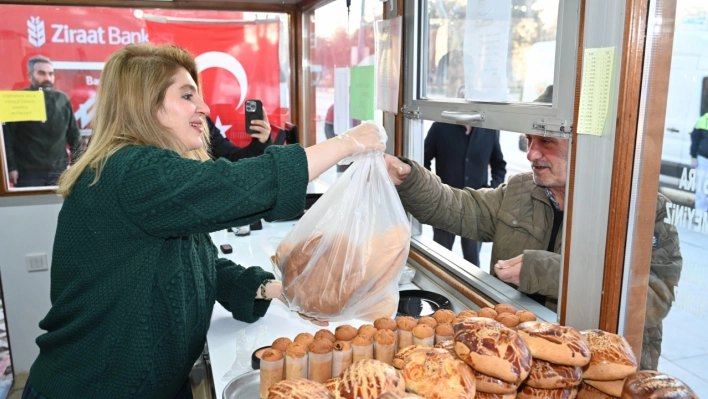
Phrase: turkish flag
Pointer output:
(237, 62)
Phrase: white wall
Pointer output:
(27, 226)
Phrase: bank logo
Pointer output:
(35, 31)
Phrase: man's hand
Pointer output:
(262, 127)
(13, 177)
(509, 270)
(397, 169)
(694, 163)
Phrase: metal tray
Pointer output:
(245, 386)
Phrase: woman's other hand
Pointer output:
(262, 126)
(363, 138)
(397, 169)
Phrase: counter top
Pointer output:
(230, 341)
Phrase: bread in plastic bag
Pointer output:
(344, 257)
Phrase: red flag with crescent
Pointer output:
(237, 62)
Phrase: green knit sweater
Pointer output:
(135, 275)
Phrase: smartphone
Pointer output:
(254, 111)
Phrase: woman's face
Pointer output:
(182, 110)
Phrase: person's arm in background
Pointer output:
(430, 146)
(497, 163)
(7, 132)
(73, 135)
(666, 264)
(221, 147)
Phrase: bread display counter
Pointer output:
(232, 342)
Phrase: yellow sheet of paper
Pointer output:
(598, 68)
(22, 105)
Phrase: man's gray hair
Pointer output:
(36, 59)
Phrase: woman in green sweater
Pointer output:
(134, 272)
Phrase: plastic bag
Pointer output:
(344, 257)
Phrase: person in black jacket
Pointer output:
(221, 147)
(463, 156)
(37, 151)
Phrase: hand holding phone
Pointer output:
(254, 111)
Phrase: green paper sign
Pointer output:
(361, 103)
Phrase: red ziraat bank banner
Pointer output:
(236, 61)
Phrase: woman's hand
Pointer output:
(262, 127)
(397, 170)
(273, 289)
(363, 138)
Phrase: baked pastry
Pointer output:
(299, 388)
(655, 385)
(588, 392)
(429, 321)
(467, 313)
(385, 323)
(366, 379)
(527, 392)
(489, 384)
(437, 374)
(399, 395)
(504, 308)
(444, 316)
(611, 356)
(547, 375)
(400, 357)
(555, 343)
(326, 334)
(448, 345)
(484, 395)
(510, 320)
(488, 313)
(612, 388)
(525, 315)
(323, 276)
(490, 348)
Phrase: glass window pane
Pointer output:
(677, 306)
(78, 40)
(501, 51)
(339, 41)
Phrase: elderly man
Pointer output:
(37, 151)
(523, 219)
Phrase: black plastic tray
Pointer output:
(418, 303)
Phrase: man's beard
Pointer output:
(46, 85)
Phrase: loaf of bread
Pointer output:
(612, 388)
(588, 392)
(324, 276)
(366, 379)
(489, 384)
(492, 349)
(484, 395)
(400, 357)
(545, 375)
(399, 395)
(299, 388)
(527, 392)
(437, 374)
(611, 357)
(655, 385)
(555, 343)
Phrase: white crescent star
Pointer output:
(222, 128)
(217, 59)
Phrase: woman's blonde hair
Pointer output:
(130, 94)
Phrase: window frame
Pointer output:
(516, 117)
